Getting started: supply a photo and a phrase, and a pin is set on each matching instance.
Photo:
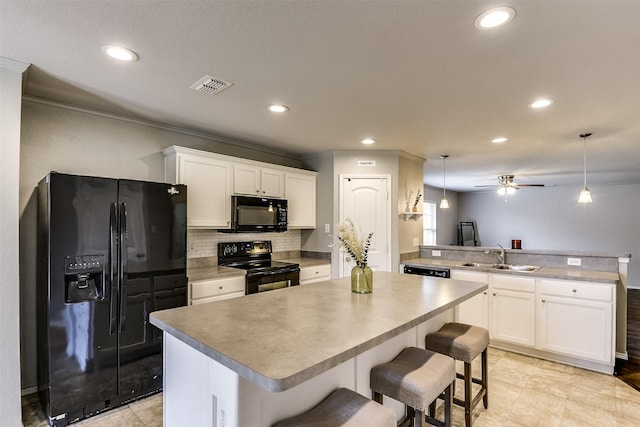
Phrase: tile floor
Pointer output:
(523, 391)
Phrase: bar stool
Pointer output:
(416, 377)
(343, 407)
(465, 343)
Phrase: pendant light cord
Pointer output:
(584, 137)
(584, 152)
(444, 175)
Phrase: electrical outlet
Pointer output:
(416, 241)
(574, 261)
(327, 228)
(435, 253)
(192, 246)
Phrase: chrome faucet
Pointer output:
(500, 254)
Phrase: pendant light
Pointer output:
(585, 194)
(444, 203)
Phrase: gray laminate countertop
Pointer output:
(281, 338)
(546, 272)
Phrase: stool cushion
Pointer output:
(416, 377)
(458, 340)
(344, 407)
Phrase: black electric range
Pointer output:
(263, 274)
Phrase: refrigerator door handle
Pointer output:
(113, 266)
(123, 266)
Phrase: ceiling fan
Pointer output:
(507, 186)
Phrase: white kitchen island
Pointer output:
(254, 360)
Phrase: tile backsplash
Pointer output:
(204, 243)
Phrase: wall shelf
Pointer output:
(408, 215)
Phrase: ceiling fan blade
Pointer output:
(531, 185)
(487, 186)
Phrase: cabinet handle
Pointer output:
(574, 290)
(494, 294)
(221, 287)
(544, 300)
(263, 191)
(484, 293)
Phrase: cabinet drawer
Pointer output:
(218, 298)
(513, 283)
(208, 288)
(317, 272)
(582, 290)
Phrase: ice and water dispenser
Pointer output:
(84, 278)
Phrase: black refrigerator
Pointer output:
(110, 251)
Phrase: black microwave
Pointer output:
(258, 214)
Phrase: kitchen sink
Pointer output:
(478, 265)
(510, 267)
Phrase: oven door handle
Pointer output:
(270, 272)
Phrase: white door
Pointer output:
(365, 200)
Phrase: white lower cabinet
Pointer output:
(576, 319)
(316, 273)
(513, 309)
(204, 291)
(564, 320)
(474, 311)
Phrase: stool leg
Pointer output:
(448, 401)
(467, 394)
(418, 418)
(377, 397)
(485, 379)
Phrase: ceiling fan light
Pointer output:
(585, 196)
(444, 204)
(502, 191)
(511, 190)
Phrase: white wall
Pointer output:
(10, 100)
(551, 218)
(76, 141)
(446, 219)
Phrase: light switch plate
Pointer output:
(327, 228)
(574, 261)
(416, 241)
(435, 253)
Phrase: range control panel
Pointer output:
(229, 250)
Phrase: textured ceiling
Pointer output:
(416, 76)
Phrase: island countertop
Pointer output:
(281, 338)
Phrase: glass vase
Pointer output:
(362, 279)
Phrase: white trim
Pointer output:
(624, 260)
(623, 356)
(12, 64)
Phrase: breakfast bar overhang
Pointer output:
(254, 360)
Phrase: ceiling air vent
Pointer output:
(210, 85)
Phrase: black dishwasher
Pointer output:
(445, 273)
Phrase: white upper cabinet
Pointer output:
(300, 192)
(212, 178)
(208, 183)
(257, 181)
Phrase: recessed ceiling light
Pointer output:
(495, 18)
(368, 141)
(541, 103)
(120, 53)
(499, 140)
(278, 108)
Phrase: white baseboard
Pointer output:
(29, 390)
(623, 356)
